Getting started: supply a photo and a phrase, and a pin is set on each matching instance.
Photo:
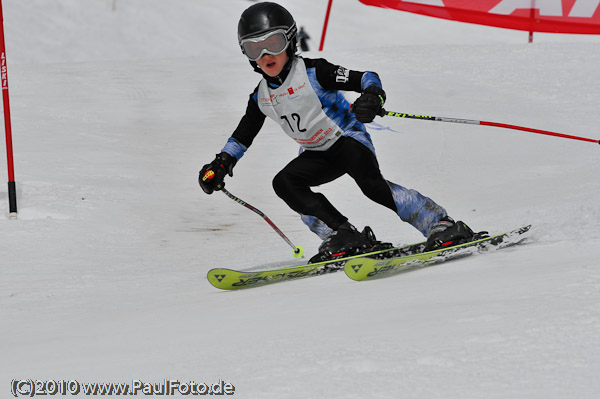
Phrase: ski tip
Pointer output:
(223, 279)
(352, 269)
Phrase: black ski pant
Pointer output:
(313, 168)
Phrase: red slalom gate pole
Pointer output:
(12, 191)
(325, 25)
(484, 123)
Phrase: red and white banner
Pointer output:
(555, 16)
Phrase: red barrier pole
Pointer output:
(12, 191)
(325, 25)
(531, 20)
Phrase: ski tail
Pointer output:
(366, 268)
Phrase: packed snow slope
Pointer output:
(114, 111)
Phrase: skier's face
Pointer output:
(272, 64)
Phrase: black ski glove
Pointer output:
(212, 175)
(369, 104)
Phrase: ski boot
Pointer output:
(348, 241)
(447, 233)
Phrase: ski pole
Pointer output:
(475, 122)
(298, 250)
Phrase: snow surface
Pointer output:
(114, 111)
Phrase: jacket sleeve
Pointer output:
(336, 77)
(247, 129)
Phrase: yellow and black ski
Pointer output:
(366, 268)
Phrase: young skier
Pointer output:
(303, 96)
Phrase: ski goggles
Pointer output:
(274, 43)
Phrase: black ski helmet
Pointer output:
(261, 18)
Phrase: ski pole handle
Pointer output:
(484, 123)
(298, 250)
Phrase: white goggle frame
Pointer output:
(259, 51)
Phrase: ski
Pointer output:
(228, 279)
(365, 267)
